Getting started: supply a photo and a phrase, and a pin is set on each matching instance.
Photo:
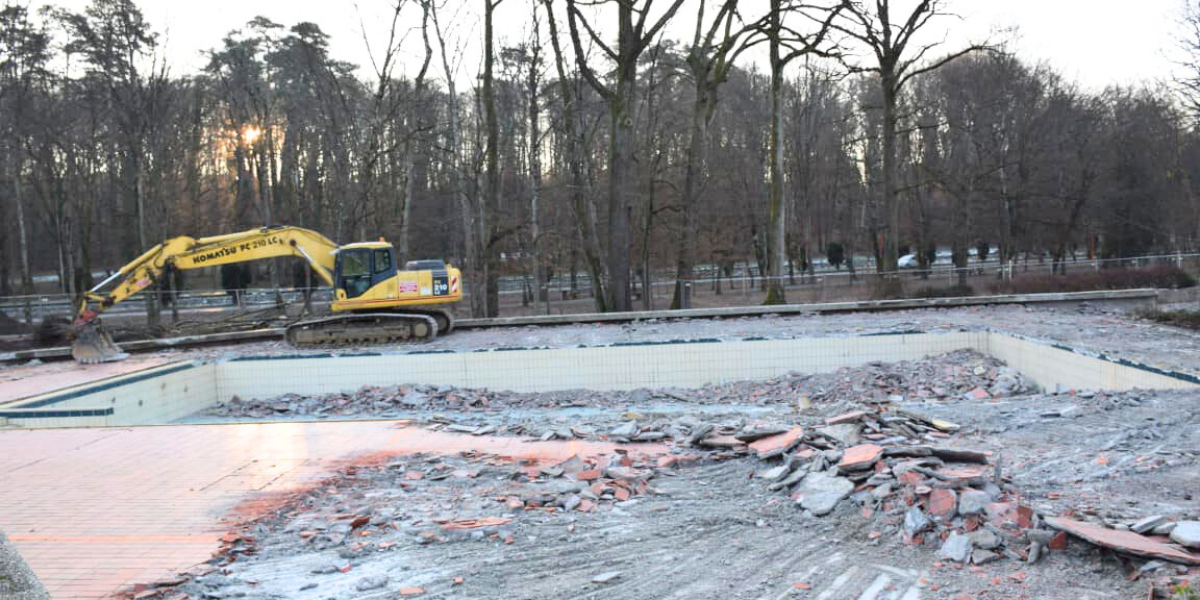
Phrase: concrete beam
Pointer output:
(1147, 295)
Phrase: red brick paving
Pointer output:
(94, 511)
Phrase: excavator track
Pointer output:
(363, 329)
(445, 320)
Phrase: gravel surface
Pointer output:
(1102, 330)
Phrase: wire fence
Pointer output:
(739, 284)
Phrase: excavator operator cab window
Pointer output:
(354, 272)
(383, 261)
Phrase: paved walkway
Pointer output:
(94, 511)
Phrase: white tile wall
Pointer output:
(172, 396)
(599, 368)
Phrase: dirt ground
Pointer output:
(702, 520)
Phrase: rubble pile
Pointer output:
(943, 377)
(419, 500)
(899, 468)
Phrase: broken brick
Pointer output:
(979, 394)
(589, 475)
(1123, 541)
(942, 504)
(846, 418)
(476, 523)
(777, 444)
(860, 457)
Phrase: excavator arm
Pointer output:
(94, 345)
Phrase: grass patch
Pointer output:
(1184, 592)
(1188, 319)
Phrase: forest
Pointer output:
(603, 145)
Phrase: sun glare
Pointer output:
(250, 135)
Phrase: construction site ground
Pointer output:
(437, 492)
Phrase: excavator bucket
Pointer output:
(94, 345)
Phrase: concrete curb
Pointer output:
(829, 307)
(17, 581)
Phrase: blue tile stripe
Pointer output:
(101, 387)
(56, 414)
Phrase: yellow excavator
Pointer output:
(379, 302)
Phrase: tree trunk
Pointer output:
(151, 297)
(622, 179)
(22, 235)
(583, 207)
(685, 265)
(535, 183)
(491, 200)
(777, 229)
(891, 204)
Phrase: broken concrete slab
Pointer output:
(957, 548)
(1187, 533)
(1123, 541)
(849, 417)
(846, 433)
(915, 522)
(820, 492)
(983, 557)
(973, 502)
(984, 538)
(607, 577)
(960, 455)
(1148, 524)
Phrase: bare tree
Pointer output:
(897, 59)
(583, 204)
(786, 44)
(488, 232)
(634, 36)
(533, 90)
(23, 56)
(475, 277)
(713, 52)
(1188, 42)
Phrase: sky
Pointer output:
(1094, 42)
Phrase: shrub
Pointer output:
(1189, 319)
(954, 291)
(1169, 277)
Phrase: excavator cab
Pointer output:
(361, 267)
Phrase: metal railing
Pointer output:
(743, 284)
